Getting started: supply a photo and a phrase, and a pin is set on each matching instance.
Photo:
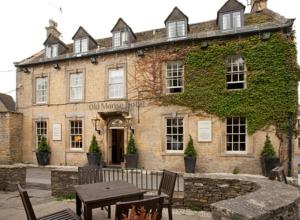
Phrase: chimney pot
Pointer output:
(52, 29)
(258, 5)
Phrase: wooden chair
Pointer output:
(278, 173)
(141, 209)
(90, 175)
(166, 188)
(66, 214)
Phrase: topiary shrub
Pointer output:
(268, 149)
(131, 148)
(43, 146)
(190, 150)
(94, 146)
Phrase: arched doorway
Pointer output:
(116, 140)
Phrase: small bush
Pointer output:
(236, 170)
(94, 146)
(43, 145)
(131, 148)
(190, 150)
(268, 149)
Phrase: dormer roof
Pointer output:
(51, 39)
(121, 25)
(230, 6)
(176, 15)
(81, 33)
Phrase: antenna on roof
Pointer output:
(59, 10)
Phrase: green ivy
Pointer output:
(272, 81)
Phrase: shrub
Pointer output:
(43, 145)
(268, 149)
(131, 148)
(190, 150)
(94, 146)
(236, 170)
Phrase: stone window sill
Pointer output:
(173, 154)
(237, 155)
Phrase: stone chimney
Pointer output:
(258, 5)
(52, 29)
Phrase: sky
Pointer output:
(23, 23)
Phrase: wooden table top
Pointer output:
(105, 191)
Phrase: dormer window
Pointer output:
(81, 45)
(177, 29)
(231, 21)
(120, 38)
(122, 34)
(52, 51)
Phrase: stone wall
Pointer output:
(10, 137)
(10, 176)
(63, 181)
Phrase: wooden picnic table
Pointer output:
(104, 194)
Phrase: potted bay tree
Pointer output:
(131, 156)
(94, 154)
(190, 156)
(268, 157)
(43, 152)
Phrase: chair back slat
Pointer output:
(167, 184)
(90, 174)
(152, 208)
(279, 174)
(26, 203)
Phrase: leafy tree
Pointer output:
(131, 148)
(94, 146)
(43, 145)
(190, 150)
(268, 149)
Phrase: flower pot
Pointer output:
(267, 164)
(131, 160)
(94, 159)
(190, 164)
(43, 158)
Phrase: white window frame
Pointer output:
(177, 26)
(171, 76)
(120, 38)
(232, 133)
(76, 87)
(111, 84)
(76, 134)
(51, 51)
(39, 131)
(80, 47)
(41, 98)
(237, 61)
(173, 134)
(233, 22)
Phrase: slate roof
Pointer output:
(8, 102)
(265, 20)
(231, 5)
(81, 32)
(121, 25)
(175, 15)
(51, 39)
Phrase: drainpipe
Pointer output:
(290, 145)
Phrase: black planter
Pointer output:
(267, 164)
(43, 158)
(131, 160)
(94, 159)
(190, 164)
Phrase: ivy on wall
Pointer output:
(272, 79)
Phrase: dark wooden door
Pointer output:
(117, 138)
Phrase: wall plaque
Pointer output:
(56, 132)
(204, 131)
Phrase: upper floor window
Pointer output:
(116, 83)
(236, 77)
(52, 51)
(81, 45)
(174, 134)
(76, 86)
(236, 135)
(41, 90)
(174, 77)
(177, 29)
(231, 21)
(40, 131)
(120, 38)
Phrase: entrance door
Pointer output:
(117, 141)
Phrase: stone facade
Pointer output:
(10, 176)
(63, 182)
(10, 137)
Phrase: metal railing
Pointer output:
(143, 179)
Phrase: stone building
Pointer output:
(108, 87)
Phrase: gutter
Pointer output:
(140, 45)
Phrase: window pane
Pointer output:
(41, 90)
(77, 46)
(54, 50)
(236, 137)
(236, 19)
(171, 29)
(76, 86)
(124, 38)
(181, 28)
(84, 45)
(226, 22)
(48, 52)
(116, 83)
(174, 134)
(174, 77)
(76, 134)
(41, 131)
(116, 39)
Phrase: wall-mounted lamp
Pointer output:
(129, 123)
(97, 126)
(265, 36)
(25, 70)
(56, 66)
(140, 53)
(94, 60)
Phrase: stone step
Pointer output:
(36, 185)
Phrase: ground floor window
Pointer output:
(236, 134)
(174, 134)
(40, 131)
(76, 134)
